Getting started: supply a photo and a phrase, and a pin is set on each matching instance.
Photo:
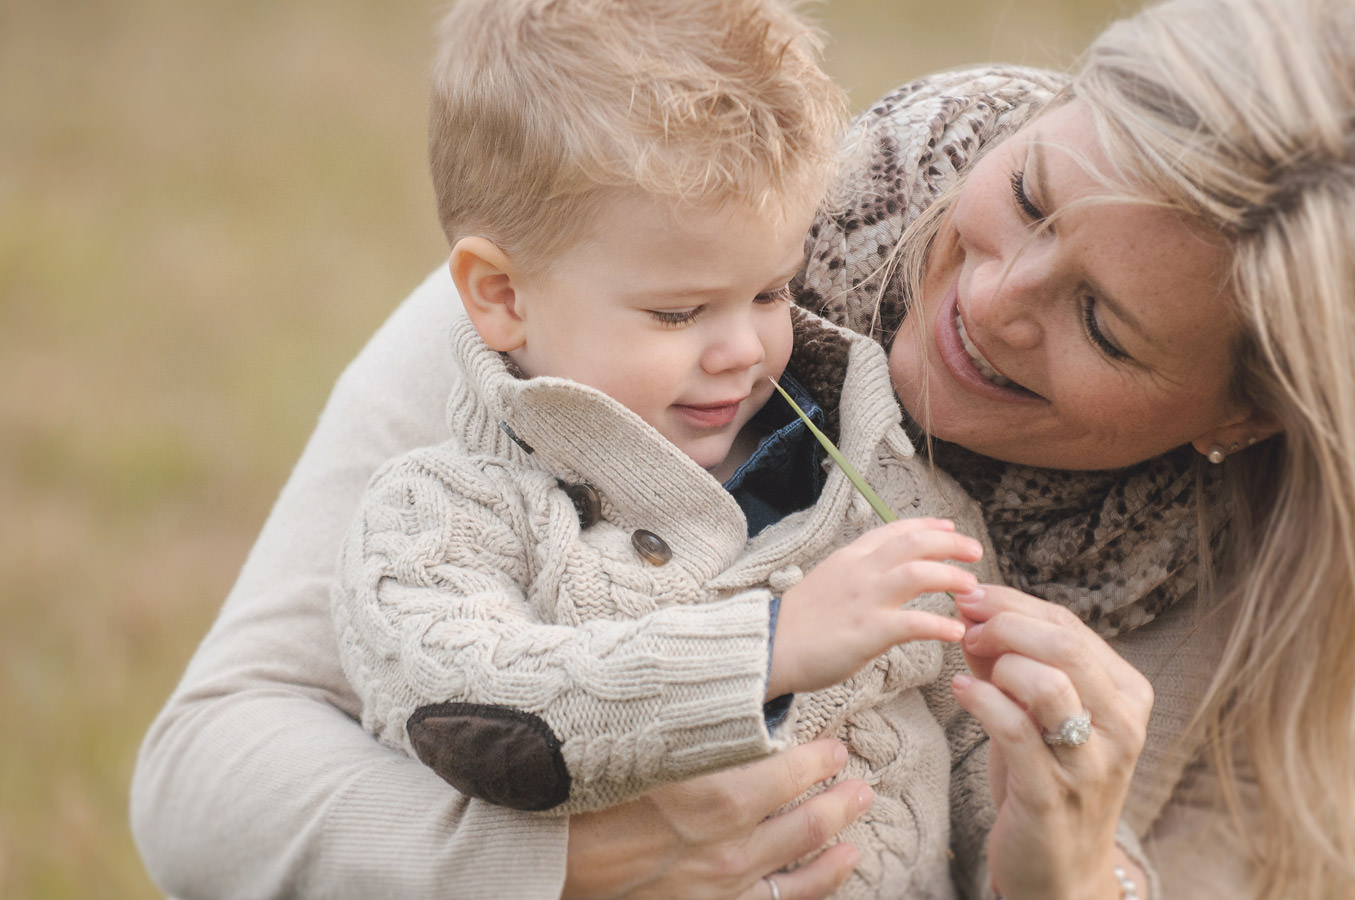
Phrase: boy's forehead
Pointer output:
(662, 246)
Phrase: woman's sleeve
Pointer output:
(256, 780)
(1196, 846)
(456, 664)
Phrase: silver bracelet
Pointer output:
(1128, 889)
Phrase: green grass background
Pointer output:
(205, 207)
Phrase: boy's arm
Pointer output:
(454, 664)
(255, 779)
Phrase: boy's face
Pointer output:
(678, 312)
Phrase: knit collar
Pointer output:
(579, 434)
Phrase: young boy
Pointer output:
(562, 607)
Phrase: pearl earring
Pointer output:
(1216, 455)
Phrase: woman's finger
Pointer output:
(813, 881)
(1011, 729)
(771, 783)
(1046, 693)
(1009, 621)
(785, 838)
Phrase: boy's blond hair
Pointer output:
(540, 109)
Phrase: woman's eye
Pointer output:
(674, 318)
(1095, 334)
(776, 296)
(1033, 212)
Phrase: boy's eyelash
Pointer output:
(776, 296)
(675, 317)
(1023, 199)
(1094, 332)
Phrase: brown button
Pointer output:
(587, 503)
(652, 548)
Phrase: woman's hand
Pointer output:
(1035, 666)
(710, 837)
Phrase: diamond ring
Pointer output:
(1074, 731)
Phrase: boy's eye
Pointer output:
(675, 317)
(776, 296)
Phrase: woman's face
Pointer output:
(1097, 343)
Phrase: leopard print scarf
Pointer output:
(1115, 547)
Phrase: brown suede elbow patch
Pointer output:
(506, 756)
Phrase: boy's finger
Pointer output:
(916, 625)
(916, 577)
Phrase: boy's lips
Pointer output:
(710, 415)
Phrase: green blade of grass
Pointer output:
(881, 508)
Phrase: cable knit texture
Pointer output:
(1118, 548)
(468, 578)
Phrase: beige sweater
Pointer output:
(569, 672)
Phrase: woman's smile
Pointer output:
(950, 335)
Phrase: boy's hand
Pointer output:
(846, 610)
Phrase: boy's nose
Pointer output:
(738, 347)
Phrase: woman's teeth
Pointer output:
(985, 368)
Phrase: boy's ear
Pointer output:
(484, 278)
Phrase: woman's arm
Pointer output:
(256, 780)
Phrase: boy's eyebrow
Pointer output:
(679, 290)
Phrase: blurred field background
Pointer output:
(205, 208)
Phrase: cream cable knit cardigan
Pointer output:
(468, 579)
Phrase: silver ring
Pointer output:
(1074, 732)
(771, 883)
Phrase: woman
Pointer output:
(1129, 341)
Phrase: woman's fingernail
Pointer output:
(971, 635)
(962, 681)
(864, 797)
(839, 755)
(973, 595)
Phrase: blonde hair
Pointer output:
(542, 108)
(1241, 113)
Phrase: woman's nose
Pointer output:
(1008, 300)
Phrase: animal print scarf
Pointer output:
(1115, 547)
